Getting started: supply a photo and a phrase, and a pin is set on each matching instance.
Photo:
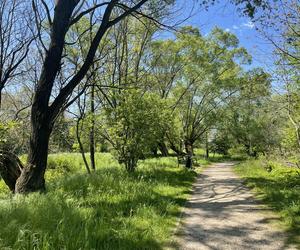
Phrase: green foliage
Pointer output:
(248, 123)
(196, 73)
(10, 137)
(221, 144)
(280, 189)
(109, 209)
(61, 138)
(136, 125)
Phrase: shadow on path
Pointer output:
(222, 214)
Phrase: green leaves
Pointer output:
(136, 125)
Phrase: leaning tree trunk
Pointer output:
(189, 154)
(163, 149)
(10, 169)
(42, 115)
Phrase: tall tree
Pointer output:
(46, 108)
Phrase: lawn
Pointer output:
(109, 209)
(279, 189)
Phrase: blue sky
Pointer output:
(227, 16)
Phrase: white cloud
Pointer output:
(249, 25)
(235, 27)
(227, 30)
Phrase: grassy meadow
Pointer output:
(109, 209)
(279, 189)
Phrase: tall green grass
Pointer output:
(109, 209)
(280, 189)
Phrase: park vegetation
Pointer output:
(103, 120)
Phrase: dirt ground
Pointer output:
(222, 214)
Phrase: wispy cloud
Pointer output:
(244, 26)
(227, 30)
(249, 25)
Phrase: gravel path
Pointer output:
(222, 214)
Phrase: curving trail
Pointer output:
(222, 214)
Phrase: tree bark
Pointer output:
(92, 130)
(189, 154)
(10, 169)
(32, 175)
(206, 146)
(163, 149)
(43, 115)
(81, 146)
(1, 90)
(131, 165)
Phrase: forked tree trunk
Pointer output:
(131, 165)
(43, 116)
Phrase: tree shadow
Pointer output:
(218, 200)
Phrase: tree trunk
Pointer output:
(297, 130)
(177, 150)
(131, 165)
(42, 116)
(32, 175)
(163, 149)
(81, 146)
(92, 130)
(206, 146)
(154, 151)
(189, 154)
(10, 169)
(1, 89)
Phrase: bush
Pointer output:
(136, 126)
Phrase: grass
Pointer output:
(109, 209)
(279, 189)
(213, 158)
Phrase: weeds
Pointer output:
(279, 188)
(109, 209)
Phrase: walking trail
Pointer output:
(222, 214)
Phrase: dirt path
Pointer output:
(222, 214)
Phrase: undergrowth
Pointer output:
(279, 188)
(109, 209)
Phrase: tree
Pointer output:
(49, 99)
(208, 76)
(135, 126)
(15, 40)
(45, 109)
(248, 120)
(285, 39)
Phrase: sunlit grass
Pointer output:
(280, 189)
(109, 209)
